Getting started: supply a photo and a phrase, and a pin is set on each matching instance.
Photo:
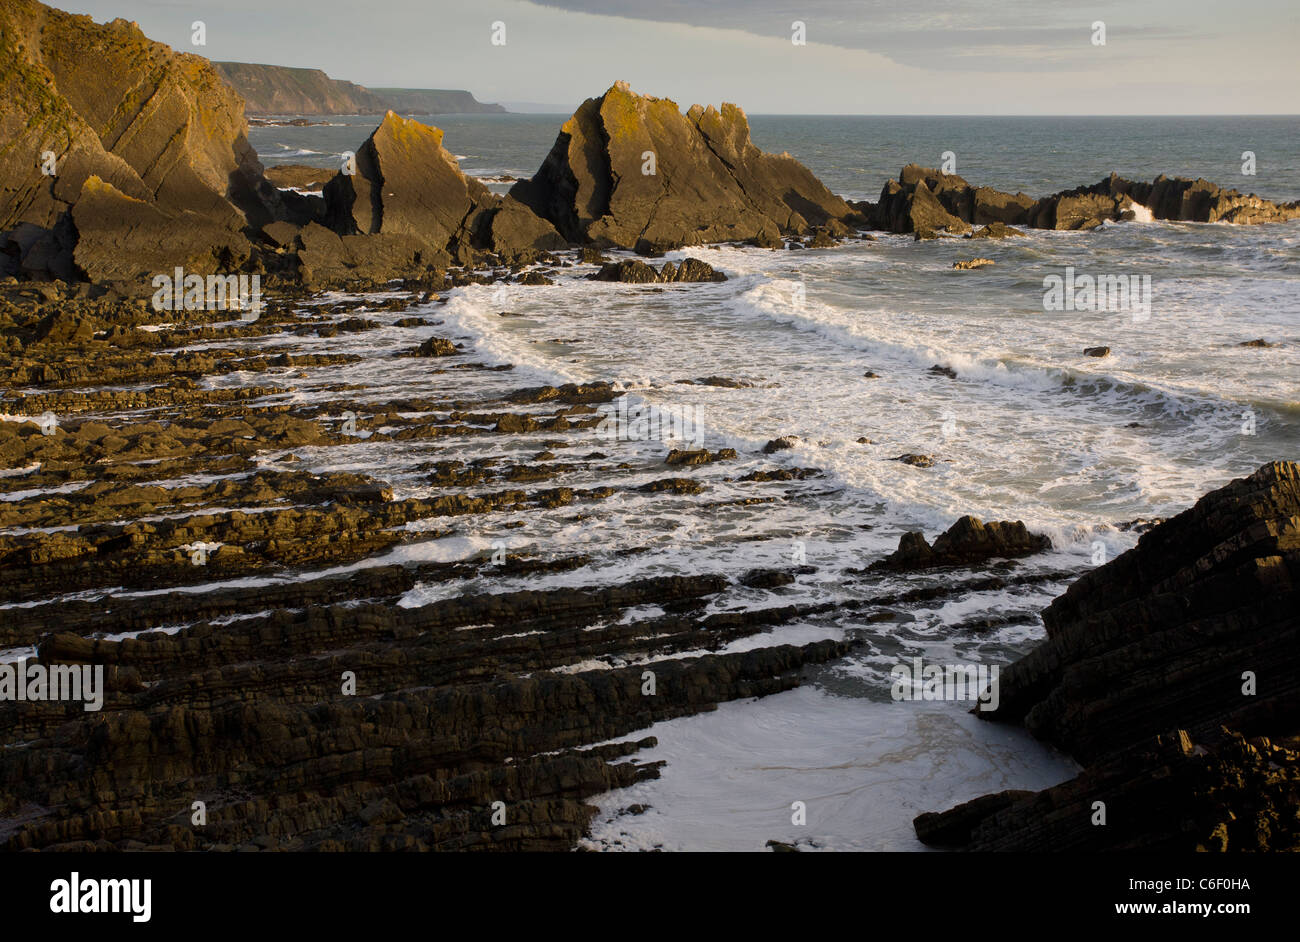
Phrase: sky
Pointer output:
(859, 56)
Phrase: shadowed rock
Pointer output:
(966, 542)
(1173, 673)
(927, 201)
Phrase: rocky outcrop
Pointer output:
(967, 542)
(634, 271)
(1171, 793)
(1173, 674)
(632, 171)
(1083, 208)
(128, 240)
(1183, 200)
(923, 199)
(926, 201)
(407, 186)
(152, 126)
(406, 183)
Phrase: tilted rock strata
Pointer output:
(1195, 630)
(632, 171)
(154, 126)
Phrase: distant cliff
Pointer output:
(435, 101)
(277, 89)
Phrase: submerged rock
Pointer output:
(995, 230)
(916, 461)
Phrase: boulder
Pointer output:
(967, 542)
(635, 271)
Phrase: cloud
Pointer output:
(945, 35)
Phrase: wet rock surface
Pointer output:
(635, 271)
(1171, 674)
(967, 542)
(243, 600)
(928, 202)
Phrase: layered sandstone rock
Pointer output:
(408, 186)
(152, 125)
(632, 171)
(1195, 630)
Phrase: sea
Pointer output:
(836, 348)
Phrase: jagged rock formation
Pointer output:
(409, 191)
(927, 201)
(967, 542)
(632, 171)
(1195, 630)
(152, 170)
(159, 132)
(406, 184)
(923, 199)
